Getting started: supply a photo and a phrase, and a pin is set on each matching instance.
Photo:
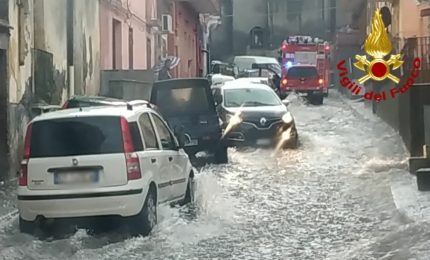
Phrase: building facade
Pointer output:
(53, 52)
(256, 24)
(128, 39)
(186, 37)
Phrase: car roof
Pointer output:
(260, 59)
(240, 85)
(95, 98)
(251, 79)
(120, 111)
(181, 83)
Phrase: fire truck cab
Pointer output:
(305, 67)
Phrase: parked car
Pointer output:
(260, 80)
(253, 115)
(189, 104)
(101, 161)
(218, 79)
(252, 62)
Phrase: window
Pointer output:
(135, 135)
(250, 97)
(116, 44)
(76, 136)
(4, 8)
(148, 53)
(148, 132)
(167, 141)
(184, 101)
(130, 49)
(302, 72)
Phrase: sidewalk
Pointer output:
(409, 201)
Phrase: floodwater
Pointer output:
(332, 198)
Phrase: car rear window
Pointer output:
(76, 136)
(180, 101)
(302, 72)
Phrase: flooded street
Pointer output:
(329, 199)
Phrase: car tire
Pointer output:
(189, 193)
(221, 155)
(318, 99)
(145, 221)
(27, 227)
(292, 144)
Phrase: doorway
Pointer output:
(4, 148)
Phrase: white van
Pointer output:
(245, 62)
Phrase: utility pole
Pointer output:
(208, 22)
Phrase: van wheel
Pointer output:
(221, 156)
(146, 220)
(27, 227)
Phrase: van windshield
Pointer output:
(76, 136)
(180, 101)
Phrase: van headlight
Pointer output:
(287, 118)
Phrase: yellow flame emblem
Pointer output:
(378, 45)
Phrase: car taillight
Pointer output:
(23, 175)
(131, 158)
(284, 82)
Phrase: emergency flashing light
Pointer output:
(284, 47)
(288, 65)
(327, 48)
(320, 81)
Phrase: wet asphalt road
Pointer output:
(329, 199)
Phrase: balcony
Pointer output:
(417, 47)
(203, 6)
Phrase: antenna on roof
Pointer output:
(129, 107)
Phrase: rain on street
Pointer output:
(329, 199)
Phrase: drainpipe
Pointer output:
(208, 23)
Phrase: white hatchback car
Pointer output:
(101, 161)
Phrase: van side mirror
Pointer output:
(286, 102)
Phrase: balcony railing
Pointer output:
(417, 47)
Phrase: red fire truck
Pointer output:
(305, 67)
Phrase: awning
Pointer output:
(203, 6)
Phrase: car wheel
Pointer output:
(146, 220)
(189, 193)
(293, 143)
(221, 155)
(27, 227)
(319, 99)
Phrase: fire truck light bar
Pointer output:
(288, 65)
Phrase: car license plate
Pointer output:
(193, 142)
(263, 141)
(76, 177)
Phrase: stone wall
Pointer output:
(38, 59)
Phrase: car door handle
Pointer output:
(153, 160)
(170, 158)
